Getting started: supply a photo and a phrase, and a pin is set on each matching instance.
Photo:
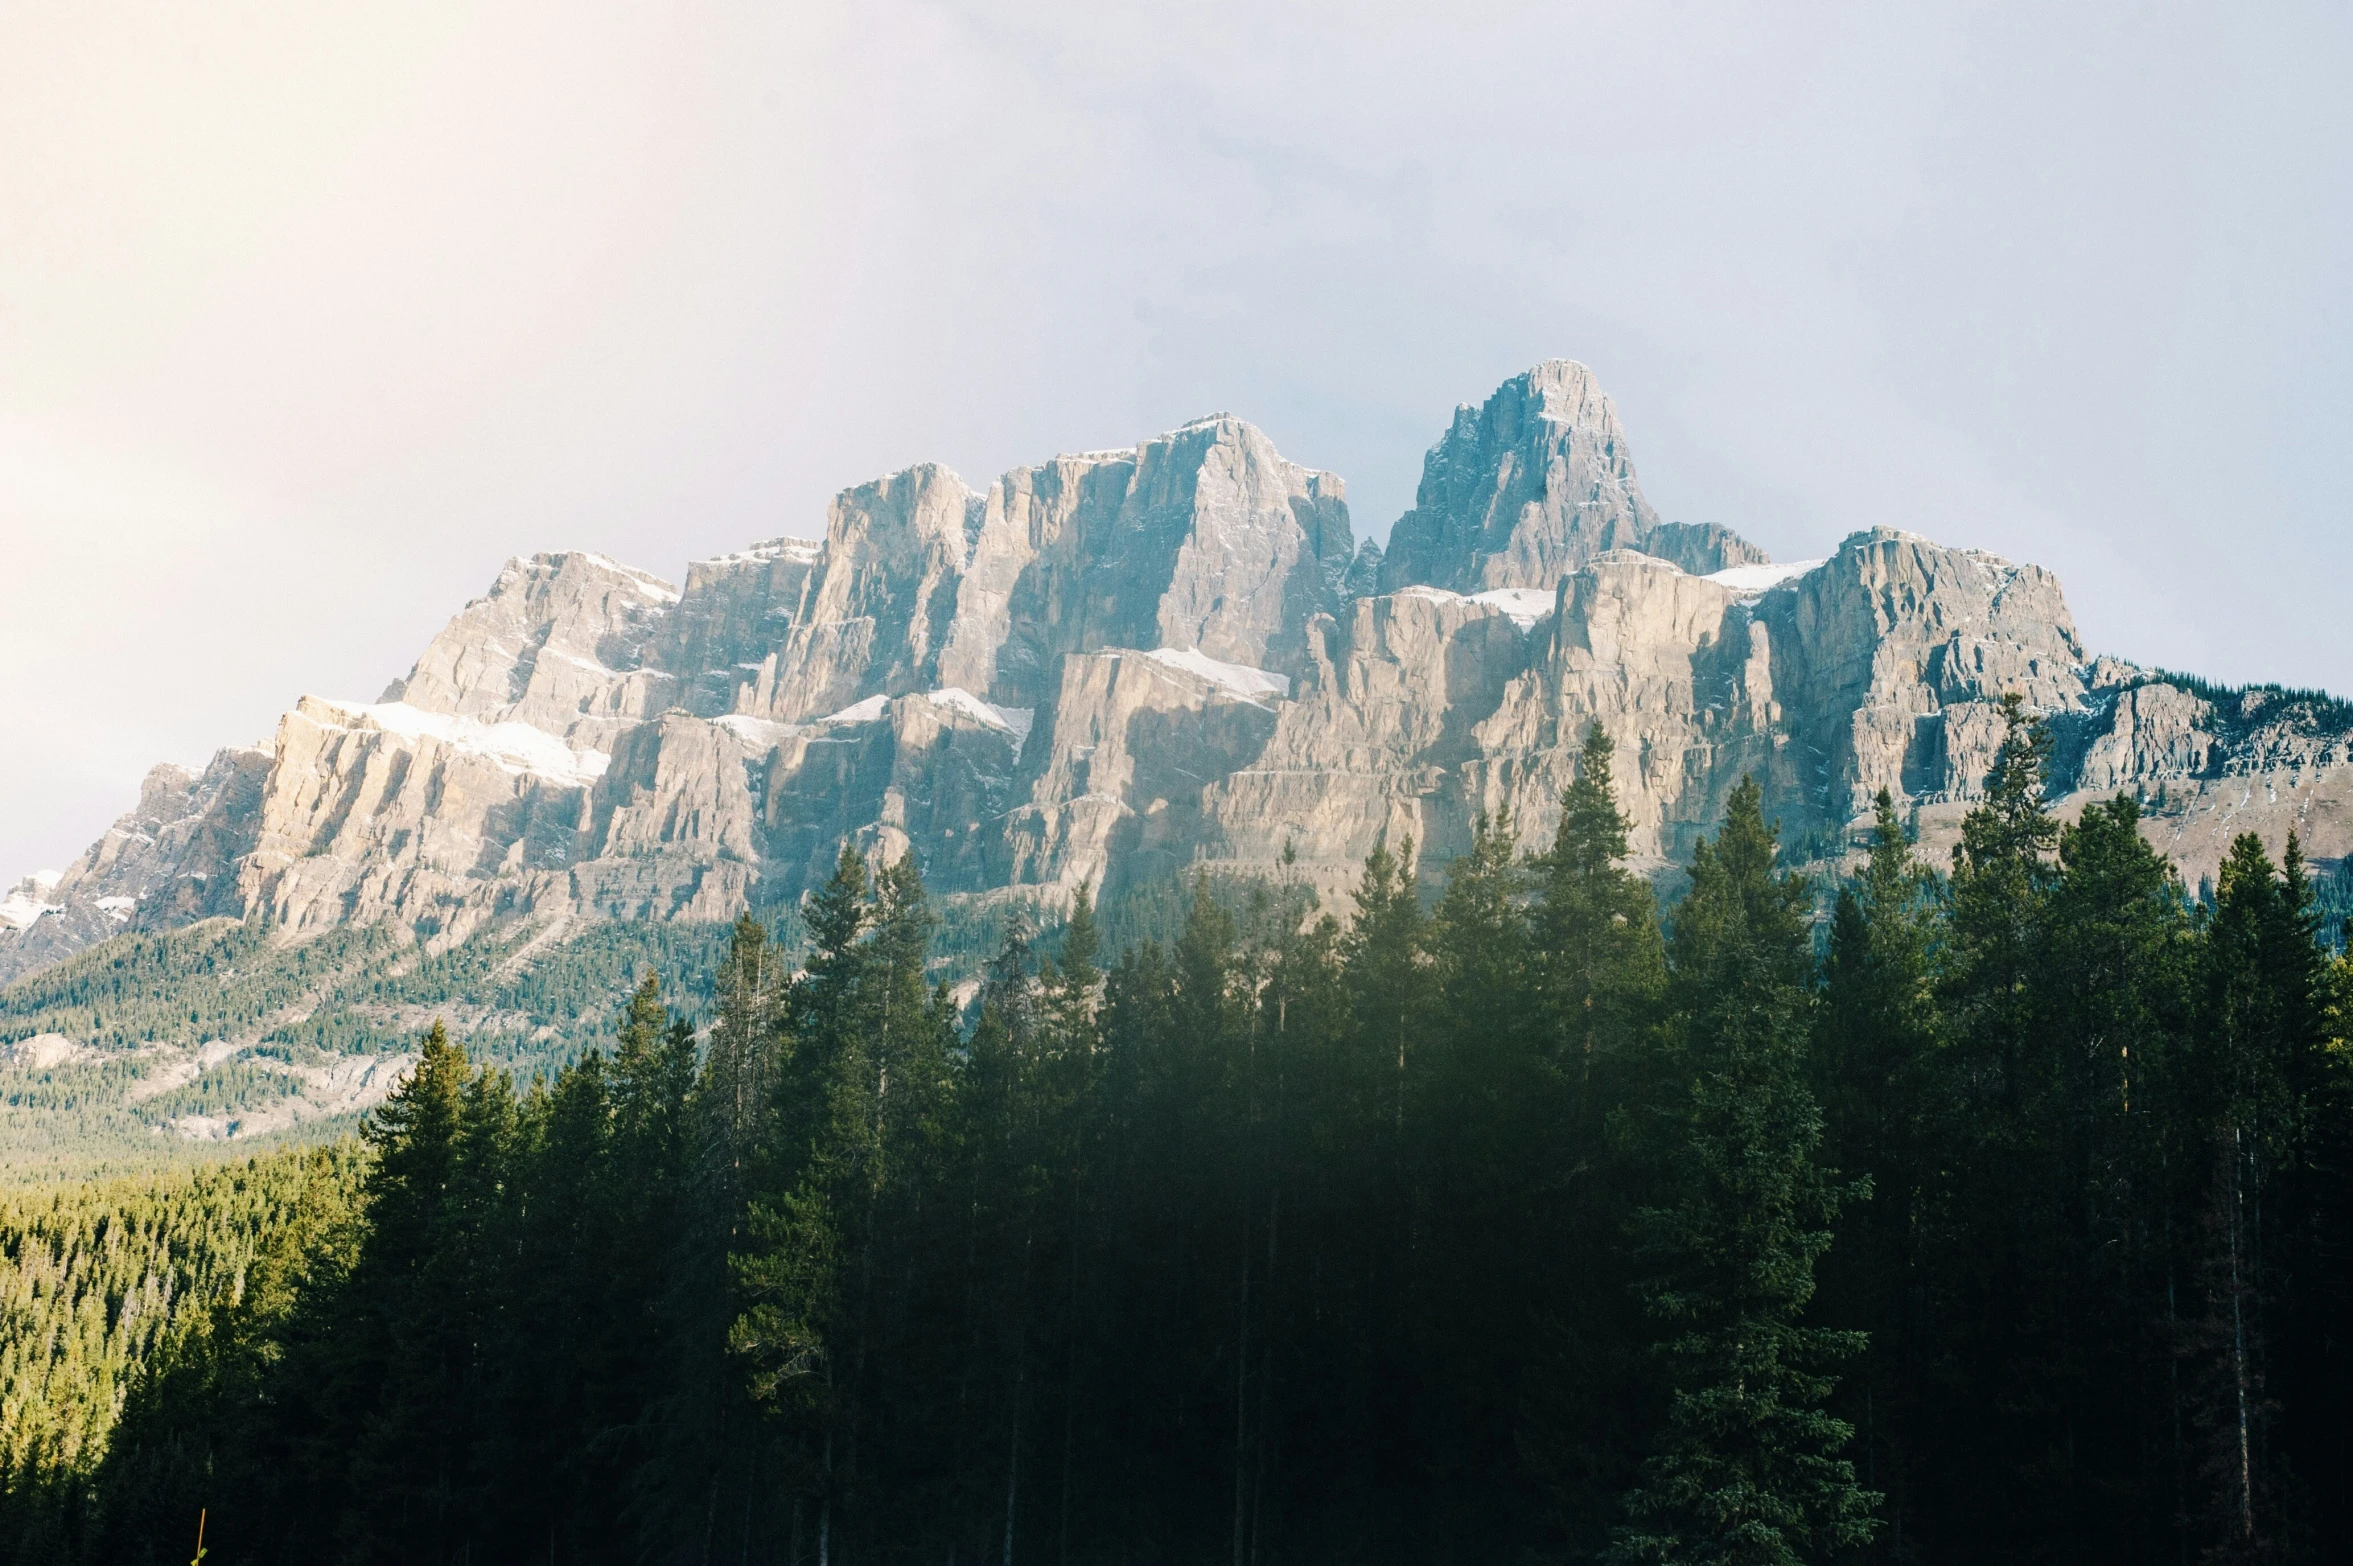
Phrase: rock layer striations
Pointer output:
(1111, 666)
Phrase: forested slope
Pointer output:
(1999, 1213)
(106, 1282)
(155, 1048)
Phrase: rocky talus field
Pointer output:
(1111, 669)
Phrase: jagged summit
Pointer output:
(1534, 483)
(1111, 665)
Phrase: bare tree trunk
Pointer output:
(1020, 1382)
(825, 1505)
(1070, 1374)
(1013, 1471)
(1401, 1072)
(1266, 1375)
(2238, 1332)
(1241, 1390)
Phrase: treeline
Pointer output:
(347, 991)
(2003, 1215)
(224, 979)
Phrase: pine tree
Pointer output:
(738, 1075)
(2110, 1007)
(646, 1207)
(1599, 959)
(1748, 1467)
(408, 1477)
(2002, 876)
(1073, 975)
(2259, 1020)
(1874, 1065)
(1386, 956)
(1490, 1107)
(837, 1237)
(1480, 939)
(557, 1363)
(1027, 1072)
(2316, 1354)
(1600, 968)
(787, 1273)
(711, 1459)
(1995, 1218)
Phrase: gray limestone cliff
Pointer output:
(1533, 484)
(1111, 666)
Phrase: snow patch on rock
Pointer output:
(760, 734)
(1760, 578)
(518, 748)
(867, 711)
(1011, 720)
(1525, 605)
(769, 550)
(646, 582)
(27, 903)
(1241, 679)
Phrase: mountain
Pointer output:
(1112, 666)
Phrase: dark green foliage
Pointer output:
(1749, 1468)
(2000, 1217)
(1875, 1065)
(210, 980)
(1599, 960)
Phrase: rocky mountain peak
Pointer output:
(543, 646)
(1534, 483)
(1115, 665)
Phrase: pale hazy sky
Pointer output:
(310, 315)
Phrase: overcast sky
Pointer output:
(310, 315)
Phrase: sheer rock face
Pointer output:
(1533, 484)
(559, 642)
(1110, 666)
(1118, 778)
(1204, 538)
(1375, 742)
(734, 612)
(1895, 657)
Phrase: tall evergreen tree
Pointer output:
(1994, 1327)
(1599, 959)
(415, 1375)
(1599, 967)
(1386, 955)
(1490, 1105)
(714, 1463)
(2316, 1361)
(1874, 1063)
(1749, 1466)
(2259, 1020)
(831, 1273)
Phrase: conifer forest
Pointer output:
(1997, 1210)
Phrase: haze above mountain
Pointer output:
(313, 320)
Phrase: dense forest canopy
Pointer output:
(2002, 1211)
